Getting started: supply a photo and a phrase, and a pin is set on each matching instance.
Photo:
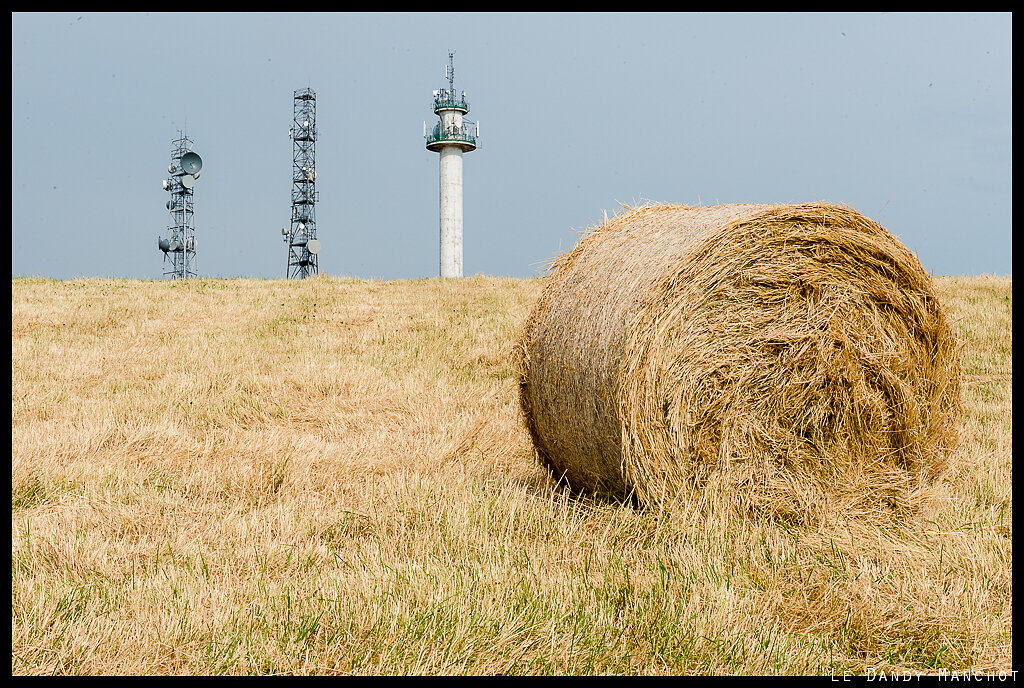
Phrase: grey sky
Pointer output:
(904, 117)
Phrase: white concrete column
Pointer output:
(451, 211)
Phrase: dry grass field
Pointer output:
(237, 476)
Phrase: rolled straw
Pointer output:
(788, 359)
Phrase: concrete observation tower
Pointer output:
(451, 137)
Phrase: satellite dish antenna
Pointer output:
(188, 181)
(191, 162)
(313, 246)
(165, 185)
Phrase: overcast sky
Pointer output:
(904, 117)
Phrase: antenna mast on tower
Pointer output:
(300, 235)
(180, 245)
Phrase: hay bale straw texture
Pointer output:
(792, 360)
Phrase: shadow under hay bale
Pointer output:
(788, 360)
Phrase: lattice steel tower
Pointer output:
(300, 236)
(451, 137)
(180, 245)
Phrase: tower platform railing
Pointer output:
(467, 133)
(446, 99)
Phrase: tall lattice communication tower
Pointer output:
(179, 248)
(300, 235)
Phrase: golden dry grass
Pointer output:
(332, 476)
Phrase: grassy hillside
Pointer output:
(331, 476)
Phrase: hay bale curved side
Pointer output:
(571, 348)
(791, 360)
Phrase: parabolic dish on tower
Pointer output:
(191, 163)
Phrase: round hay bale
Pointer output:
(788, 359)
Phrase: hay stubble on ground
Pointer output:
(332, 476)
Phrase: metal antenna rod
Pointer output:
(451, 73)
